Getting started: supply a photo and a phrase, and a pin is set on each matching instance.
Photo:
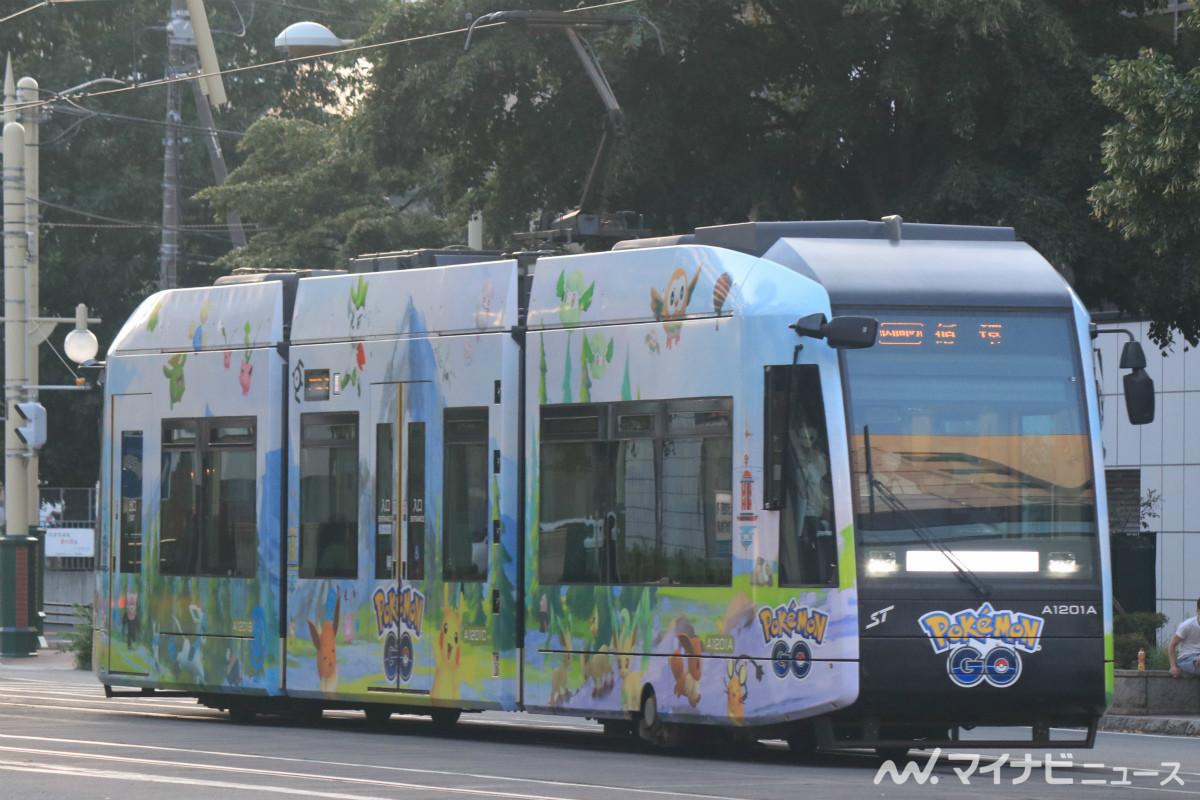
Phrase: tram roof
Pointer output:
(930, 273)
(865, 263)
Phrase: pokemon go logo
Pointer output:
(788, 626)
(983, 643)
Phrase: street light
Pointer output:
(81, 345)
(302, 39)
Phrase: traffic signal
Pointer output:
(33, 432)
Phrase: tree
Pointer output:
(102, 167)
(1152, 162)
(939, 110)
(316, 203)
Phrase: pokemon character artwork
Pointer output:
(448, 654)
(671, 308)
(324, 639)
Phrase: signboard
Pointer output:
(70, 542)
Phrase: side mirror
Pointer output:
(843, 333)
(1132, 356)
(1139, 387)
(1139, 397)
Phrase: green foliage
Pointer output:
(315, 200)
(1132, 632)
(939, 110)
(101, 160)
(1152, 160)
(79, 640)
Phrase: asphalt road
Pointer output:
(61, 738)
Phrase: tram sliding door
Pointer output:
(133, 440)
(400, 413)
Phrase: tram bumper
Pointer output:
(931, 672)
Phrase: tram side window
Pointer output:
(465, 495)
(385, 497)
(415, 490)
(637, 493)
(329, 495)
(209, 497)
(697, 470)
(798, 482)
(576, 483)
(131, 502)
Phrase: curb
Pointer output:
(1167, 726)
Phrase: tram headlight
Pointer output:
(1062, 563)
(882, 562)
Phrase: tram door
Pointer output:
(135, 438)
(400, 411)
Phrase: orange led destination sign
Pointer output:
(991, 333)
(901, 333)
(939, 333)
(946, 333)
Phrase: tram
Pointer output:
(838, 483)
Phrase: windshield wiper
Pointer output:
(897, 505)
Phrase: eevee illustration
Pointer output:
(325, 640)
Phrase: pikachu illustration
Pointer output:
(448, 655)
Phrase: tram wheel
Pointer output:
(648, 726)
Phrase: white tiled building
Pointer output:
(1166, 453)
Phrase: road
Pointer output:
(60, 737)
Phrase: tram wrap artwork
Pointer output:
(678, 485)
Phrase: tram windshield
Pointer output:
(969, 447)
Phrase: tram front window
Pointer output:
(969, 447)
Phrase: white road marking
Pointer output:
(314, 776)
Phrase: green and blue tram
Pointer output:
(834, 482)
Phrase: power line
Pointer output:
(115, 222)
(165, 81)
(88, 113)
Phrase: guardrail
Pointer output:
(61, 616)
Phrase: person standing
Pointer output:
(1185, 646)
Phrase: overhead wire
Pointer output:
(72, 99)
(166, 81)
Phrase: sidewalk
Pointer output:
(51, 658)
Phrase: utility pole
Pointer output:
(16, 462)
(216, 160)
(188, 27)
(36, 331)
(168, 254)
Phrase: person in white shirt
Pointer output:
(1185, 646)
